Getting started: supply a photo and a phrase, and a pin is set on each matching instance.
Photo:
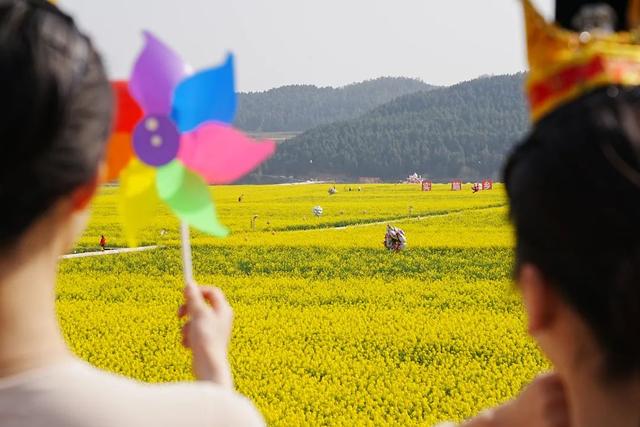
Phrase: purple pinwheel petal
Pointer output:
(155, 76)
(156, 140)
(207, 96)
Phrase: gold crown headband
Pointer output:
(565, 64)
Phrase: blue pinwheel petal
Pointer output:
(204, 97)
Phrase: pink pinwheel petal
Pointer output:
(221, 154)
(155, 76)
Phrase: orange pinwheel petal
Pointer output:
(119, 154)
(128, 114)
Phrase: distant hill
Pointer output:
(302, 107)
(462, 131)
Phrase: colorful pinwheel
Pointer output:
(173, 136)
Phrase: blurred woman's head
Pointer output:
(574, 191)
(55, 115)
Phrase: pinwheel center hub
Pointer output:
(156, 140)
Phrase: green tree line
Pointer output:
(302, 107)
(463, 131)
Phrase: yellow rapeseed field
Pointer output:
(331, 329)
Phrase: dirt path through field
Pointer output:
(109, 252)
(306, 230)
(394, 220)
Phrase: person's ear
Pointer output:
(83, 195)
(540, 300)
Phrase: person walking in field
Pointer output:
(103, 242)
(55, 118)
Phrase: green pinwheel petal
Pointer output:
(188, 196)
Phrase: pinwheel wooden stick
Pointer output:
(174, 136)
(187, 262)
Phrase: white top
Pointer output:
(74, 394)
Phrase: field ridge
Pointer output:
(342, 225)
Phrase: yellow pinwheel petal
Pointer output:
(138, 199)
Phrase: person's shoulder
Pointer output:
(186, 403)
(194, 403)
(215, 405)
(77, 394)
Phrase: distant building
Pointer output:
(414, 179)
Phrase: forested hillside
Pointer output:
(302, 107)
(463, 131)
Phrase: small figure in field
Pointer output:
(333, 190)
(241, 198)
(103, 242)
(476, 187)
(395, 239)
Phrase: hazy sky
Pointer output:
(322, 42)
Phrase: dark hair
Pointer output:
(574, 190)
(55, 112)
